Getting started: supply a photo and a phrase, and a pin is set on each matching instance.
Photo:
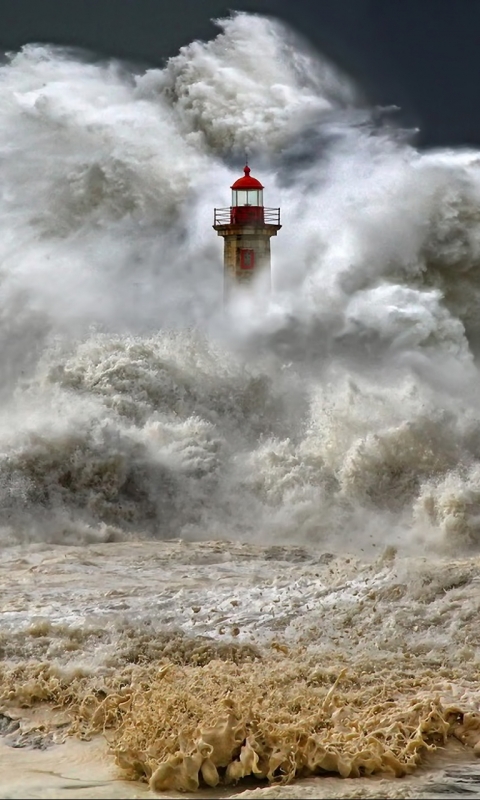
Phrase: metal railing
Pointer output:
(246, 215)
(222, 216)
(272, 216)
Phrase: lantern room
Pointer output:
(247, 207)
(247, 191)
(247, 200)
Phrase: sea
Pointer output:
(240, 542)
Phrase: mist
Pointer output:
(338, 410)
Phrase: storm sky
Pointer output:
(422, 55)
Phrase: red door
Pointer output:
(247, 259)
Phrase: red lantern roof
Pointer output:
(247, 182)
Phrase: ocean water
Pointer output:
(240, 546)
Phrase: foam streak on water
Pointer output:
(329, 432)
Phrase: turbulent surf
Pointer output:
(238, 541)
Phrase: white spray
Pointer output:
(337, 409)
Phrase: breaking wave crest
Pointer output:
(342, 403)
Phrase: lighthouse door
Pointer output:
(247, 259)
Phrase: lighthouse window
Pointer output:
(247, 197)
(247, 259)
(254, 197)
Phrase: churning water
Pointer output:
(316, 452)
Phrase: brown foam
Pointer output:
(281, 717)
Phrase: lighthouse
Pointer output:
(246, 227)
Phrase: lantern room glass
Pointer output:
(247, 197)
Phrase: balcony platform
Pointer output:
(246, 216)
